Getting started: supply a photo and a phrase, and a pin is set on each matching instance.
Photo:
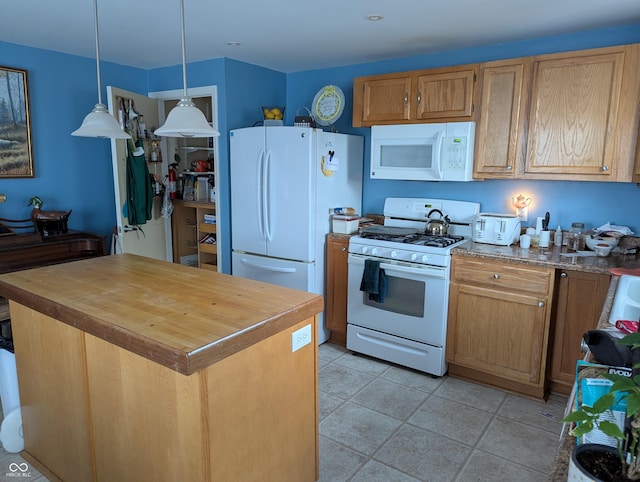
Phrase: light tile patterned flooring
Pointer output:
(384, 423)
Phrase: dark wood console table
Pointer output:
(31, 250)
(24, 251)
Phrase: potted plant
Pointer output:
(625, 462)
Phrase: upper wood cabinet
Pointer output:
(433, 95)
(502, 100)
(636, 168)
(567, 116)
(583, 115)
(381, 99)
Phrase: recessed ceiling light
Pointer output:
(374, 17)
(233, 43)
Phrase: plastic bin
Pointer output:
(345, 223)
(11, 435)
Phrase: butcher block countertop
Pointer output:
(156, 358)
(182, 318)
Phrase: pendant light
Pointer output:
(99, 123)
(186, 120)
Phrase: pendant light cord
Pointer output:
(184, 50)
(95, 15)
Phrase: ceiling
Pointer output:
(295, 35)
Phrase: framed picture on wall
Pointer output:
(16, 154)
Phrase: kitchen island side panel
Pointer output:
(95, 411)
(263, 411)
(53, 394)
(147, 420)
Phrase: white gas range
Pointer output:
(408, 324)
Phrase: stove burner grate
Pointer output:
(420, 239)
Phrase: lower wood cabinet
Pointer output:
(498, 327)
(578, 302)
(336, 288)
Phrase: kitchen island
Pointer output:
(137, 369)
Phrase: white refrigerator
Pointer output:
(284, 183)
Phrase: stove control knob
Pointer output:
(374, 251)
(425, 258)
(394, 254)
(365, 249)
(414, 257)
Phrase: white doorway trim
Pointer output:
(207, 91)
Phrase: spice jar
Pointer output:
(575, 239)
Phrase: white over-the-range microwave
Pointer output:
(423, 152)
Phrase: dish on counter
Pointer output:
(592, 241)
(602, 249)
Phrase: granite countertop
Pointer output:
(553, 257)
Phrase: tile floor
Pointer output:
(381, 422)
(384, 423)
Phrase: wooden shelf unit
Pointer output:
(189, 229)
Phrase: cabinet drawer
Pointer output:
(503, 275)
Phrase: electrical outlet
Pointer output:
(301, 337)
(523, 214)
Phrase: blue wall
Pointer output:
(75, 173)
(593, 203)
(70, 172)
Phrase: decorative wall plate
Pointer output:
(328, 105)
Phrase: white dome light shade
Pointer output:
(186, 120)
(99, 123)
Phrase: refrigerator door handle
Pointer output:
(261, 194)
(267, 195)
(266, 267)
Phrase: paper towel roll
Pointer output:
(11, 434)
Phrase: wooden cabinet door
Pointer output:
(336, 287)
(446, 94)
(432, 95)
(578, 303)
(500, 333)
(574, 114)
(381, 99)
(500, 135)
(498, 324)
(636, 165)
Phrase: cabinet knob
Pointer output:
(419, 97)
(406, 98)
(563, 275)
(509, 168)
(540, 304)
(604, 168)
(343, 249)
(496, 276)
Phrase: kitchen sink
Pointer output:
(626, 302)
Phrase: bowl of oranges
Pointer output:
(273, 113)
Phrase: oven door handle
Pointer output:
(426, 271)
(390, 267)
